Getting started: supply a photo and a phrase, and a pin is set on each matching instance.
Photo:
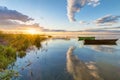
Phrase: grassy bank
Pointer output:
(7, 56)
(12, 43)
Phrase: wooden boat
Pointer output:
(101, 42)
(86, 38)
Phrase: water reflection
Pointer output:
(37, 46)
(103, 48)
(118, 42)
(80, 70)
(21, 54)
(81, 44)
(49, 62)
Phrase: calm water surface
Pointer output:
(52, 62)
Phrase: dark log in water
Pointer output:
(101, 42)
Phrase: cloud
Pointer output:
(94, 3)
(106, 29)
(82, 22)
(111, 28)
(8, 22)
(107, 20)
(12, 19)
(74, 6)
(6, 14)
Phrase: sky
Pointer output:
(70, 15)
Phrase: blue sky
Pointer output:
(52, 14)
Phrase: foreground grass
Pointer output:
(12, 43)
(7, 56)
(23, 41)
(7, 74)
(17, 43)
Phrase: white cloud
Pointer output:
(6, 14)
(107, 20)
(82, 22)
(94, 3)
(12, 19)
(74, 6)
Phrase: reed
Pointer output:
(12, 43)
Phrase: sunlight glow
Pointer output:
(32, 31)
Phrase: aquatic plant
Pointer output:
(17, 43)
(10, 44)
(8, 74)
(7, 56)
(21, 54)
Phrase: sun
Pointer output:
(32, 31)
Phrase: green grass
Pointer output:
(10, 44)
(7, 56)
(23, 41)
(17, 43)
(7, 74)
(21, 54)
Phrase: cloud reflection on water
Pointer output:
(104, 48)
(79, 70)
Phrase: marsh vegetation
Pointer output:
(10, 44)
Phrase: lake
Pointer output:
(53, 61)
